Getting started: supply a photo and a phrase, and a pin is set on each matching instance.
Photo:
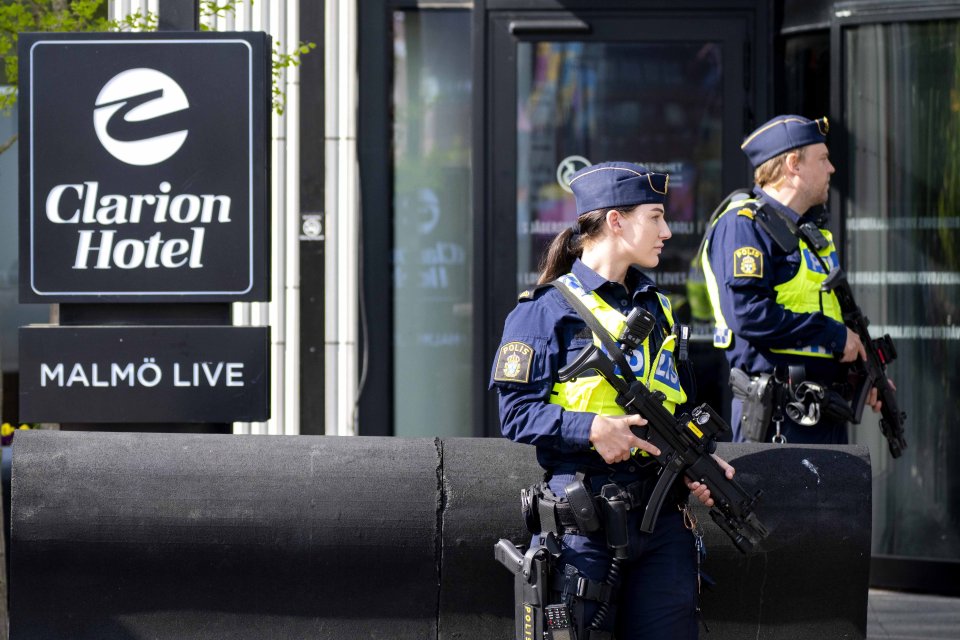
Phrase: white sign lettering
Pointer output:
(145, 374)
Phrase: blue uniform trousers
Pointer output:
(656, 597)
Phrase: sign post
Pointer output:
(144, 207)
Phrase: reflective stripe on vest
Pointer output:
(591, 392)
(800, 294)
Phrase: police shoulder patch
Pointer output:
(747, 263)
(513, 363)
(746, 212)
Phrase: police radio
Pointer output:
(559, 624)
(638, 325)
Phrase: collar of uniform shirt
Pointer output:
(766, 199)
(818, 214)
(636, 280)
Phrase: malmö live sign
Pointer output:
(147, 167)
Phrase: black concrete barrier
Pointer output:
(123, 535)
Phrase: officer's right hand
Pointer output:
(613, 440)
(853, 348)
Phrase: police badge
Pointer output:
(513, 362)
(747, 263)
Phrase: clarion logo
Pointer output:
(139, 117)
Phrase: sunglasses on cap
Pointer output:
(658, 182)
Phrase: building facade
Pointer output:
(418, 172)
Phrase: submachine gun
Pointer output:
(685, 443)
(871, 373)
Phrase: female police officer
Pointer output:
(580, 433)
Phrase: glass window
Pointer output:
(902, 248)
(806, 78)
(12, 314)
(658, 104)
(432, 228)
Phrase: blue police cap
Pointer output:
(617, 184)
(783, 134)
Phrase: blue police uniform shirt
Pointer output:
(551, 328)
(750, 307)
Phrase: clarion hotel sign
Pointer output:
(147, 176)
(144, 177)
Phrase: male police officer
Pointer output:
(764, 259)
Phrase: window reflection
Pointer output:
(432, 248)
(657, 104)
(903, 251)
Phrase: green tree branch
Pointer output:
(91, 16)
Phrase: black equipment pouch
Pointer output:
(757, 396)
(813, 236)
(547, 516)
(529, 507)
(583, 506)
(615, 520)
(835, 408)
(543, 512)
(682, 331)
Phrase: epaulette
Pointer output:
(530, 294)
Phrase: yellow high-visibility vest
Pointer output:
(591, 392)
(800, 294)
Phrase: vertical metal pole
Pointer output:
(179, 15)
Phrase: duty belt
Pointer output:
(785, 393)
(556, 515)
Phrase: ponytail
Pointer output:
(559, 257)
(567, 246)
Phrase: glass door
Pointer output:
(672, 92)
(901, 227)
(432, 247)
(659, 104)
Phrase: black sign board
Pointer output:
(144, 374)
(144, 167)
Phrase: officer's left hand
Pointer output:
(700, 490)
(875, 403)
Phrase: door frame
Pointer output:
(495, 148)
(905, 573)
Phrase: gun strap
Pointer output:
(775, 222)
(783, 231)
(598, 329)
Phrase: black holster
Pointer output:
(757, 395)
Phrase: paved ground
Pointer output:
(893, 615)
